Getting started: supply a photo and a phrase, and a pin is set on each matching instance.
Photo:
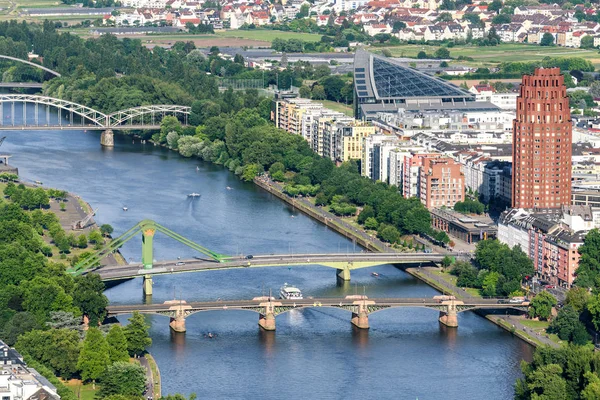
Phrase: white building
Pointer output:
(376, 156)
(19, 382)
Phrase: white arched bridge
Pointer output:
(34, 112)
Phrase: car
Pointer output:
(249, 257)
(550, 287)
(179, 263)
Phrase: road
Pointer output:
(116, 272)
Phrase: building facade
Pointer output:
(442, 183)
(542, 134)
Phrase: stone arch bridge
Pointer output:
(360, 307)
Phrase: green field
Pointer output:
(491, 55)
(268, 35)
(335, 106)
(82, 392)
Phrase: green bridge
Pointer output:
(342, 263)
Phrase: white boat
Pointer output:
(290, 292)
(228, 188)
(194, 195)
(124, 208)
(197, 168)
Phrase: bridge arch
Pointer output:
(121, 117)
(94, 117)
(31, 63)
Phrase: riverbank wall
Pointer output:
(321, 216)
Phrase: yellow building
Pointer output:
(353, 138)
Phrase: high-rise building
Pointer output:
(542, 134)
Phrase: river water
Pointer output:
(315, 353)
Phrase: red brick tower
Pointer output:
(542, 134)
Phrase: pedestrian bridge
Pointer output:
(360, 307)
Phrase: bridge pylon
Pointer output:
(147, 257)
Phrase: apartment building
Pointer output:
(442, 182)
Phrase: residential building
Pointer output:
(411, 173)
(542, 142)
(353, 135)
(376, 156)
(20, 382)
(442, 182)
(550, 238)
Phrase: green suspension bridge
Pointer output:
(343, 263)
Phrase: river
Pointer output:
(315, 353)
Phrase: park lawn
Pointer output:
(83, 392)
(269, 35)
(487, 55)
(533, 324)
(340, 107)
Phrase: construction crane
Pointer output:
(79, 225)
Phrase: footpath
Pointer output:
(429, 275)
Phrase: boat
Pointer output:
(38, 182)
(289, 292)
(375, 274)
(197, 168)
(124, 208)
(194, 194)
(228, 188)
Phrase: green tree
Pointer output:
(577, 298)
(592, 388)
(117, 344)
(587, 42)
(547, 39)
(588, 271)
(137, 335)
(566, 324)
(56, 348)
(82, 241)
(106, 229)
(95, 237)
(388, 233)
(19, 324)
(421, 55)
(501, 19)
(94, 358)
(442, 52)
(547, 383)
(88, 297)
(541, 305)
(371, 223)
(447, 261)
(123, 378)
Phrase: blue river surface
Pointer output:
(315, 353)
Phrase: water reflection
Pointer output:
(360, 337)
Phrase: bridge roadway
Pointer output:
(29, 85)
(381, 303)
(5, 127)
(341, 262)
(359, 306)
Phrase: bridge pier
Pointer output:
(177, 311)
(266, 319)
(360, 320)
(360, 317)
(450, 316)
(107, 138)
(148, 285)
(343, 275)
(177, 324)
